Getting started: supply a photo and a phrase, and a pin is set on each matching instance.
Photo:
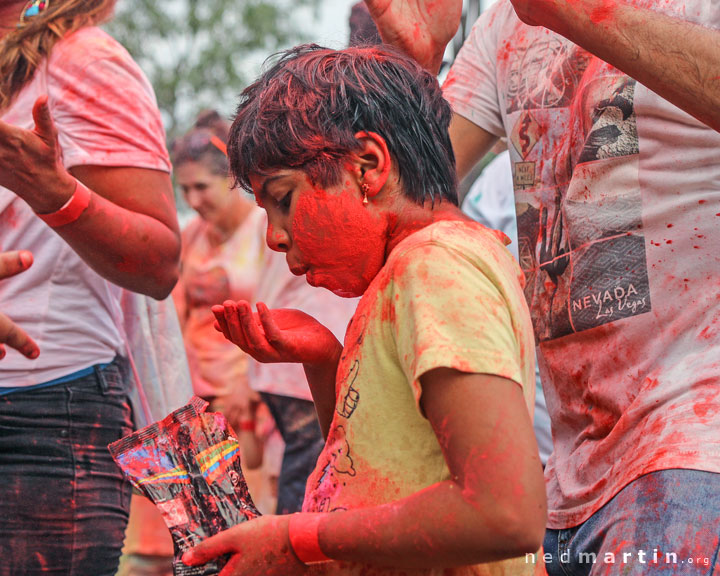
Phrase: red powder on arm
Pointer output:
(603, 13)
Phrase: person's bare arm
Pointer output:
(492, 508)
(470, 143)
(422, 29)
(676, 59)
(128, 234)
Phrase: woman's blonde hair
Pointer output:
(23, 49)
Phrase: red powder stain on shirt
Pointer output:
(669, 225)
(706, 333)
(8, 219)
(651, 383)
(702, 201)
(505, 51)
(707, 404)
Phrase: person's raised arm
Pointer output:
(284, 335)
(676, 59)
(128, 233)
(420, 28)
(492, 508)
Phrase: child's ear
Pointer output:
(373, 162)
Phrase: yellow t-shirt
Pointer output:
(450, 295)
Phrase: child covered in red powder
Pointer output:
(430, 464)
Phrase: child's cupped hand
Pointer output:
(279, 335)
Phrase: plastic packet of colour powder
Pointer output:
(188, 464)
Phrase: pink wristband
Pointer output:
(303, 532)
(71, 210)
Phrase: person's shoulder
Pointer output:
(85, 46)
(90, 43)
(452, 248)
(464, 236)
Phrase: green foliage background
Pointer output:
(201, 54)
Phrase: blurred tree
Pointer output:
(200, 54)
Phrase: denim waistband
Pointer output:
(62, 380)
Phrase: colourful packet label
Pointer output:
(188, 464)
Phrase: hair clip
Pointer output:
(33, 8)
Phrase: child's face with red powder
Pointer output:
(327, 233)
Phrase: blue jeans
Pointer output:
(63, 502)
(665, 522)
(300, 430)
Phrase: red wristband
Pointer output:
(303, 532)
(247, 425)
(71, 210)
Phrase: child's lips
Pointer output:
(299, 269)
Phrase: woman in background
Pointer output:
(223, 255)
(84, 186)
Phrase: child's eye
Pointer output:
(285, 201)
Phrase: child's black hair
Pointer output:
(304, 112)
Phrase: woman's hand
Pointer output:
(11, 334)
(238, 405)
(31, 162)
(129, 232)
(258, 547)
(281, 335)
(420, 28)
(204, 288)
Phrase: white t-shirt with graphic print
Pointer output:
(617, 194)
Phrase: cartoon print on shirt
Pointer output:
(581, 243)
(339, 466)
(347, 404)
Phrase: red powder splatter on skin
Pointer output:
(341, 244)
(602, 13)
